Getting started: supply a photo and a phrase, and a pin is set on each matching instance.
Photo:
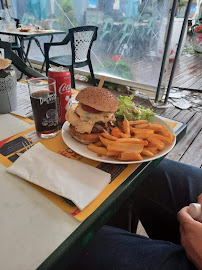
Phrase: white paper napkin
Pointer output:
(68, 178)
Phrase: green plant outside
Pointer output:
(67, 15)
(122, 70)
(108, 85)
(182, 3)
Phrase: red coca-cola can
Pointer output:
(63, 89)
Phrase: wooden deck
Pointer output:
(188, 74)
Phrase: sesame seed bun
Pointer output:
(98, 98)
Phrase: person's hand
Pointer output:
(191, 235)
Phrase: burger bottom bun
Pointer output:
(83, 137)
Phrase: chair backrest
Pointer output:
(128, 25)
(145, 17)
(8, 38)
(92, 20)
(82, 39)
(17, 62)
(108, 24)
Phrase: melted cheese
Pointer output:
(85, 121)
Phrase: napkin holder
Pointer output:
(8, 87)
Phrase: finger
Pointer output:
(184, 216)
(200, 199)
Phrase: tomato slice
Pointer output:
(89, 109)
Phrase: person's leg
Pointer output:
(157, 200)
(113, 248)
(170, 187)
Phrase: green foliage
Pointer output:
(181, 8)
(182, 3)
(108, 85)
(122, 70)
(67, 15)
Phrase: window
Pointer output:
(130, 39)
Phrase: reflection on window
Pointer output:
(130, 37)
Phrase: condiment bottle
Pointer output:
(195, 211)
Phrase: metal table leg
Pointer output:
(25, 54)
(51, 39)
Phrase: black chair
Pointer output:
(17, 61)
(81, 39)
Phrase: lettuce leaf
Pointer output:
(145, 114)
(128, 110)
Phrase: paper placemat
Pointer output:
(119, 172)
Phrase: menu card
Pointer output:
(24, 108)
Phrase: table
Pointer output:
(32, 35)
(34, 232)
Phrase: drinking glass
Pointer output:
(43, 99)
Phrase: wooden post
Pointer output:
(101, 81)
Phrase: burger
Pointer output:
(94, 113)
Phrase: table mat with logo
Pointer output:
(119, 172)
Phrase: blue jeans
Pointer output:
(156, 201)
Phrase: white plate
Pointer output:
(83, 150)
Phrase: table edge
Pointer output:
(30, 35)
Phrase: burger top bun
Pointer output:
(98, 98)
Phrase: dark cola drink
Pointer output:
(45, 113)
(63, 90)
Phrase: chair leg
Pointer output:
(47, 66)
(42, 66)
(45, 57)
(72, 77)
(92, 73)
(20, 53)
(46, 60)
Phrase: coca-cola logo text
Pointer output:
(64, 88)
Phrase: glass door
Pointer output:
(131, 35)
